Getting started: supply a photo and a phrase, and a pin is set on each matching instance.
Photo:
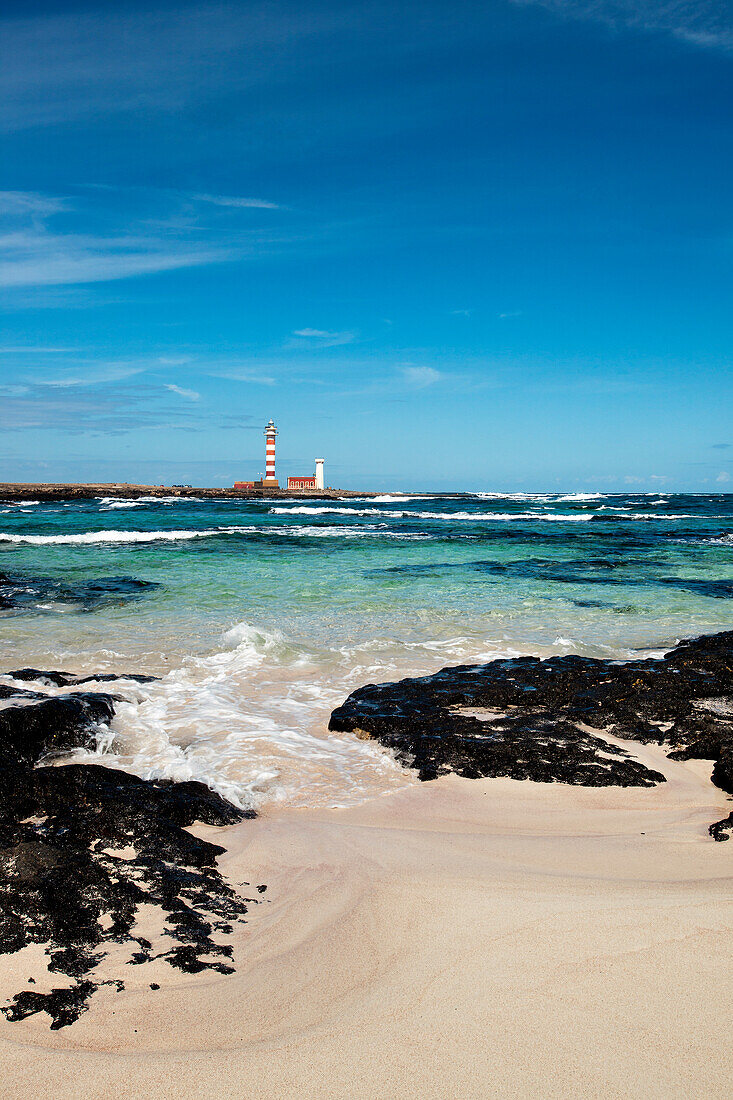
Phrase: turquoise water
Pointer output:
(262, 616)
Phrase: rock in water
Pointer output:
(83, 846)
(544, 720)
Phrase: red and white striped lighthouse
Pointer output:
(270, 433)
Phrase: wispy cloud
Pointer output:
(109, 410)
(237, 203)
(190, 395)
(31, 350)
(721, 446)
(92, 374)
(33, 254)
(76, 64)
(251, 375)
(30, 202)
(45, 259)
(420, 377)
(703, 23)
(722, 477)
(318, 337)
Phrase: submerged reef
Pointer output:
(22, 593)
(82, 847)
(526, 718)
(625, 571)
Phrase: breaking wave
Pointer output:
(250, 719)
(548, 517)
(87, 538)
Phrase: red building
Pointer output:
(244, 484)
(302, 483)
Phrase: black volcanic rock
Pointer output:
(538, 720)
(41, 676)
(63, 722)
(69, 679)
(83, 846)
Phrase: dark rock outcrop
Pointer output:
(542, 720)
(83, 846)
(62, 722)
(68, 679)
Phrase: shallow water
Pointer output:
(262, 616)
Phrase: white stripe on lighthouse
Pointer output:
(270, 433)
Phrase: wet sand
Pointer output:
(456, 939)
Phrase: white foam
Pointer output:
(87, 538)
(250, 719)
(387, 499)
(722, 540)
(579, 497)
(132, 502)
(108, 504)
(512, 496)
(666, 516)
(501, 517)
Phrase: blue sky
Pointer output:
(445, 245)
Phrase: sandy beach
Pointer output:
(456, 939)
(366, 550)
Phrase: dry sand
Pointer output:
(457, 939)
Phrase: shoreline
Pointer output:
(50, 491)
(462, 938)
(547, 917)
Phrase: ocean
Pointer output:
(260, 617)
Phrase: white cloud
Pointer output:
(420, 377)
(703, 23)
(93, 375)
(128, 58)
(36, 351)
(43, 259)
(32, 254)
(319, 337)
(237, 202)
(723, 477)
(190, 395)
(248, 375)
(30, 202)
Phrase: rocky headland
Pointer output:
(50, 491)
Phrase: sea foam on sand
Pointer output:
(486, 938)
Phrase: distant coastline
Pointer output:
(45, 491)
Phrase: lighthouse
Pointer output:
(270, 481)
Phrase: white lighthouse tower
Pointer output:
(270, 481)
(319, 473)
